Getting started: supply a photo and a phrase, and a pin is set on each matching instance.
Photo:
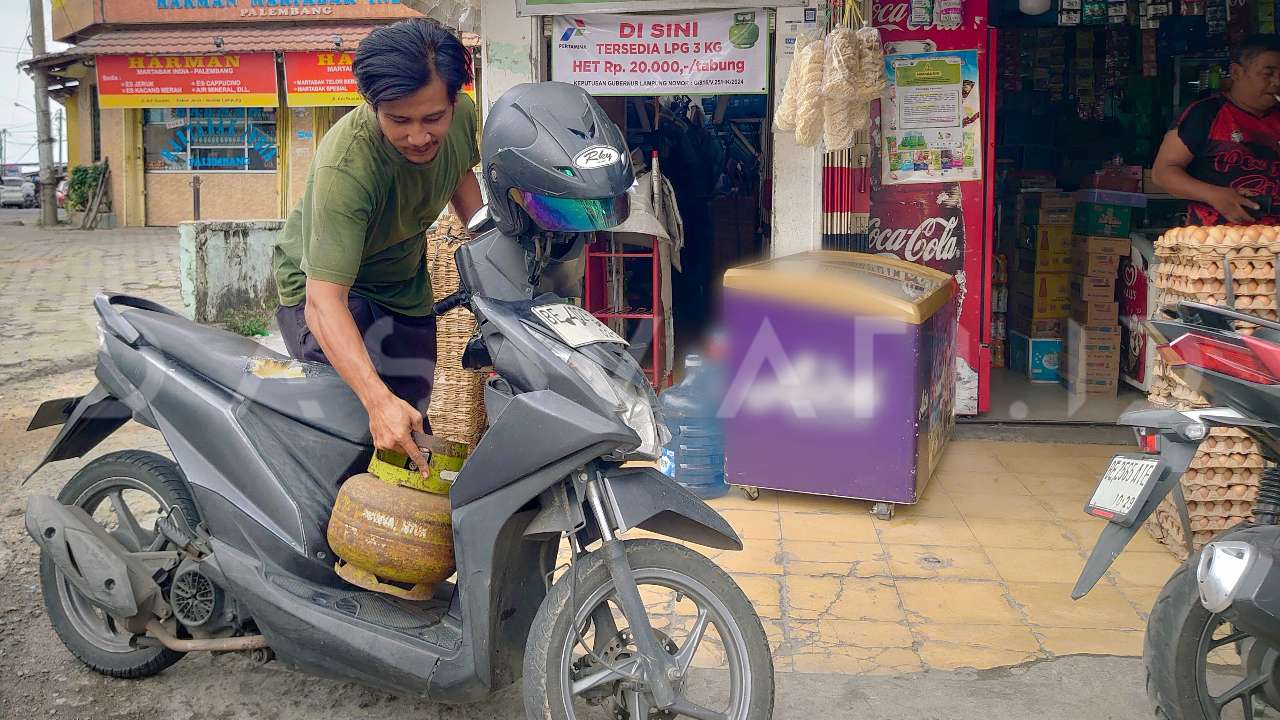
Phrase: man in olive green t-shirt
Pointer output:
(350, 263)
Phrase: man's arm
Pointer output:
(1170, 172)
(390, 418)
(467, 199)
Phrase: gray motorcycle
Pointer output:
(224, 548)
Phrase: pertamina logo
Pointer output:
(578, 29)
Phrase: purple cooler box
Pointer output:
(839, 375)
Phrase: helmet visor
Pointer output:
(574, 214)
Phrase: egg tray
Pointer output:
(1193, 239)
(1179, 266)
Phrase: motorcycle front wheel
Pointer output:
(701, 617)
(1198, 666)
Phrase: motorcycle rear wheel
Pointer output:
(711, 601)
(100, 488)
(1181, 635)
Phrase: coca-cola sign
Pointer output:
(920, 224)
(895, 15)
(934, 240)
(891, 15)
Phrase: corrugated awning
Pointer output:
(211, 40)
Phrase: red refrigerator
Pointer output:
(948, 222)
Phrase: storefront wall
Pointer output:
(302, 141)
(113, 151)
(80, 143)
(164, 198)
(223, 196)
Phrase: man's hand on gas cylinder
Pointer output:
(392, 422)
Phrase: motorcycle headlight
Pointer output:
(630, 402)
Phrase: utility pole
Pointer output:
(4, 150)
(59, 137)
(44, 134)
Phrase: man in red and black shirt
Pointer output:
(1224, 152)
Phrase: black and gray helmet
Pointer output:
(553, 160)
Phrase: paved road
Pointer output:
(47, 279)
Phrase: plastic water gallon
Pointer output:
(695, 454)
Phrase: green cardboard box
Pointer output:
(1103, 220)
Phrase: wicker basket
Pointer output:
(457, 400)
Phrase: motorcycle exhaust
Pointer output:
(95, 563)
(1222, 565)
(232, 644)
(1241, 581)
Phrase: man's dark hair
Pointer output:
(1253, 46)
(397, 60)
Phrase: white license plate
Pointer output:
(575, 326)
(1121, 486)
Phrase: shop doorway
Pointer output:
(714, 152)
(1080, 113)
(710, 213)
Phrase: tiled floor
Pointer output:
(977, 575)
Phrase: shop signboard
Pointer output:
(160, 81)
(72, 16)
(717, 53)
(325, 79)
(321, 78)
(582, 7)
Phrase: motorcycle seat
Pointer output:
(321, 399)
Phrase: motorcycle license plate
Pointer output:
(575, 326)
(1123, 487)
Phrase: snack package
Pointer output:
(841, 66)
(784, 120)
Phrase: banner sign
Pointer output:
(525, 8)
(157, 81)
(717, 53)
(321, 78)
(70, 17)
(930, 118)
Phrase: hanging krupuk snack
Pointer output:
(872, 80)
(843, 109)
(809, 63)
(784, 120)
(842, 119)
(843, 56)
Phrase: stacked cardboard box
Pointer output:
(1091, 359)
(999, 310)
(1039, 302)
(1037, 358)
(1045, 208)
(1091, 354)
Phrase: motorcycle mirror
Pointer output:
(479, 220)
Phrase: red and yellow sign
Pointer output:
(320, 78)
(324, 78)
(154, 81)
